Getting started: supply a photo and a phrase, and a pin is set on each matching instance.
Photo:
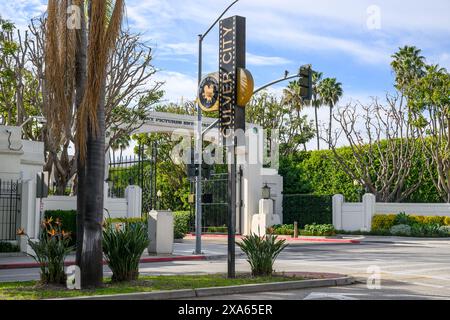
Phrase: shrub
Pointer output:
(261, 252)
(69, 218)
(123, 245)
(50, 251)
(403, 219)
(401, 230)
(383, 222)
(426, 230)
(282, 229)
(222, 229)
(181, 224)
(447, 221)
(434, 220)
(444, 230)
(8, 247)
(319, 230)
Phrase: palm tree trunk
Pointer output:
(330, 126)
(317, 128)
(92, 253)
(81, 78)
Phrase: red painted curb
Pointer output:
(291, 238)
(71, 263)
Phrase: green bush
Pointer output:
(222, 229)
(318, 230)
(282, 230)
(69, 220)
(261, 252)
(123, 245)
(8, 247)
(51, 250)
(383, 222)
(409, 225)
(401, 230)
(307, 209)
(181, 223)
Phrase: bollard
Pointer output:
(295, 230)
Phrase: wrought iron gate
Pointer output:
(137, 170)
(10, 196)
(215, 203)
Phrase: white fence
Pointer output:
(358, 216)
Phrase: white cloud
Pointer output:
(177, 86)
(257, 60)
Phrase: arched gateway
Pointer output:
(253, 176)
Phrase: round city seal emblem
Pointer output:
(208, 93)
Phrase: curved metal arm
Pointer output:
(275, 82)
(202, 36)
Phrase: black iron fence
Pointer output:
(214, 204)
(10, 196)
(139, 170)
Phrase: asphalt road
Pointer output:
(406, 269)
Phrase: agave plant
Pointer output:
(123, 245)
(262, 252)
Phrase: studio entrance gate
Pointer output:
(215, 204)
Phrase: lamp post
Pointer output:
(199, 142)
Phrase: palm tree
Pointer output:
(315, 102)
(330, 92)
(292, 96)
(76, 64)
(408, 64)
(120, 144)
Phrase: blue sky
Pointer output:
(334, 36)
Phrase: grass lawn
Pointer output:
(32, 290)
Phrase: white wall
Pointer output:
(358, 216)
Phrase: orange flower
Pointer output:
(66, 234)
(58, 221)
(52, 232)
(21, 232)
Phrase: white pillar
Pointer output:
(160, 232)
(133, 195)
(29, 215)
(338, 201)
(369, 201)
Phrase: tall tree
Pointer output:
(330, 92)
(292, 96)
(76, 65)
(130, 94)
(408, 65)
(315, 102)
(273, 113)
(383, 146)
(429, 102)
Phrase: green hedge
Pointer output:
(68, 219)
(316, 172)
(307, 209)
(181, 223)
(8, 247)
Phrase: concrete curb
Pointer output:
(28, 265)
(215, 291)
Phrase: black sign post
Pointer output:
(231, 116)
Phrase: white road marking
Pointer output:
(336, 296)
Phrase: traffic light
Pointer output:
(305, 82)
